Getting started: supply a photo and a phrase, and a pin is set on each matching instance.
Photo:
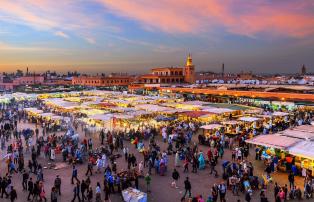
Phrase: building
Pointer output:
(114, 80)
(303, 70)
(9, 83)
(170, 75)
(29, 80)
(189, 75)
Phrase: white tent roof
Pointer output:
(152, 108)
(122, 116)
(297, 134)
(211, 126)
(280, 114)
(274, 141)
(138, 113)
(230, 122)
(305, 128)
(248, 119)
(217, 110)
(34, 110)
(101, 117)
(195, 102)
(303, 149)
(47, 114)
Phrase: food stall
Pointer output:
(251, 122)
(230, 127)
(209, 131)
(275, 145)
(304, 153)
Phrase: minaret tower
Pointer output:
(189, 71)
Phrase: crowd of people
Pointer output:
(44, 143)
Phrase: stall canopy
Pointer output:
(248, 119)
(230, 122)
(211, 126)
(217, 110)
(303, 149)
(274, 141)
(280, 114)
(152, 108)
(195, 114)
(101, 117)
(33, 110)
(47, 114)
(297, 134)
(305, 128)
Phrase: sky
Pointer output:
(103, 36)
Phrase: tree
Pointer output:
(19, 73)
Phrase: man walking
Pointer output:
(222, 192)
(89, 168)
(187, 187)
(74, 174)
(77, 191)
(25, 178)
(57, 184)
(30, 185)
(175, 177)
(291, 179)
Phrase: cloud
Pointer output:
(52, 16)
(90, 40)
(62, 34)
(242, 17)
(12, 47)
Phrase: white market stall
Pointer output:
(133, 195)
(274, 141)
(303, 149)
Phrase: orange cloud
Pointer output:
(287, 18)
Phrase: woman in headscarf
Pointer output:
(162, 167)
(201, 161)
(177, 160)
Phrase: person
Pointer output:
(148, 180)
(177, 160)
(13, 194)
(98, 192)
(276, 189)
(4, 184)
(54, 194)
(212, 166)
(175, 177)
(57, 184)
(90, 194)
(187, 187)
(89, 168)
(76, 192)
(282, 194)
(25, 178)
(248, 196)
(222, 191)
(141, 168)
(84, 187)
(74, 174)
(186, 165)
(214, 193)
(291, 179)
(42, 192)
(263, 196)
(30, 186)
(107, 193)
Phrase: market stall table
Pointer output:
(133, 195)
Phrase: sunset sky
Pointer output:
(267, 36)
